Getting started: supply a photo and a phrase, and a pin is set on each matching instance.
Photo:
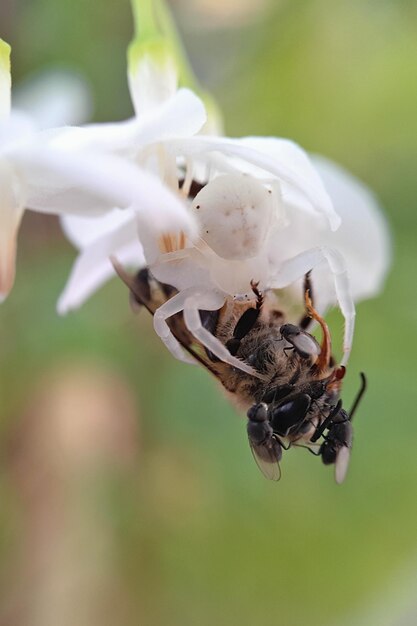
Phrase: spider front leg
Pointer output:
(169, 308)
(190, 302)
(211, 300)
(302, 263)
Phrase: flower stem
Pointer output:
(5, 79)
(153, 22)
(187, 76)
(145, 23)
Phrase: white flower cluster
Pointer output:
(208, 214)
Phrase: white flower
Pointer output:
(35, 174)
(263, 214)
(54, 97)
(165, 140)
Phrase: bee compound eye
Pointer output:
(289, 331)
(258, 412)
(259, 432)
(304, 343)
(289, 414)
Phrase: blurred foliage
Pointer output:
(202, 537)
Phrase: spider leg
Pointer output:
(295, 268)
(211, 300)
(169, 308)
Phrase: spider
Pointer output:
(237, 216)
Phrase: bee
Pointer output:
(295, 399)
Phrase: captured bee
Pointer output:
(294, 400)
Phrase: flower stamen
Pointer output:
(188, 179)
(171, 242)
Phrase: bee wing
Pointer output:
(267, 458)
(342, 464)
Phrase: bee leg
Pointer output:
(315, 452)
(327, 422)
(246, 322)
(281, 444)
(325, 355)
(259, 295)
(307, 288)
(286, 349)
(243, 327)
(359, 395)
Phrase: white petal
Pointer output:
(363, 237)
(288, 152)
(161, 216)
(93, 267)
(5, 79)
(9, 225)
(15, 130)
(11, 211)
(54, 98)
(181, 116)
(8, 241)
(83, 231)
(89, 184)
(152, 75)
(58, 182)
(280, 157)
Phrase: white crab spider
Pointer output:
(237, 217)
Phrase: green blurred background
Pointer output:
(165, 520)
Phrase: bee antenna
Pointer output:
(359, 395)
